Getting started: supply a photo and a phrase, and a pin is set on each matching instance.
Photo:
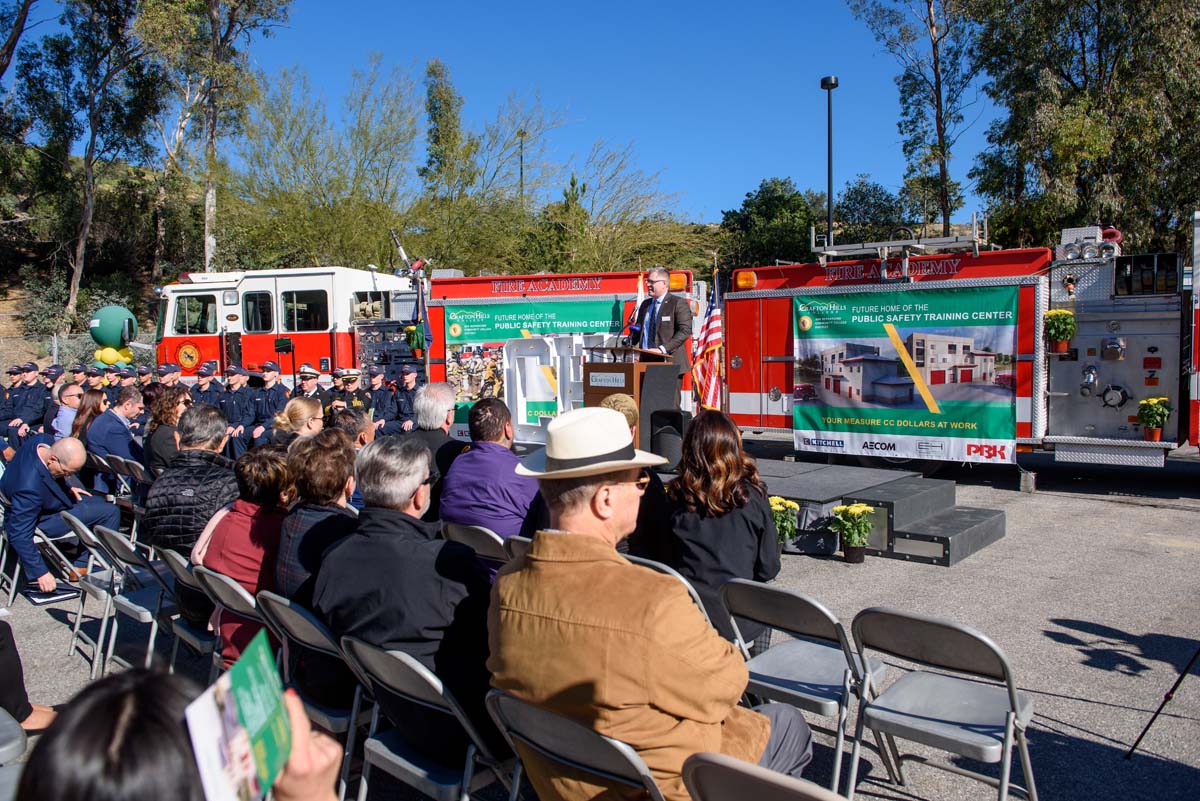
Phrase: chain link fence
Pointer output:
(64, 349)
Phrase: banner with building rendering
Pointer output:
(912, 373)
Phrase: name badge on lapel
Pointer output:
(666, 319)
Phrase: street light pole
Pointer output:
(521, 179)
(829, 83)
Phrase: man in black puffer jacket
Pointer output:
(197, 482)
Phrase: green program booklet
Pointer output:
(239, 727)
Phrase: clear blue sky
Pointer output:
(716, 96)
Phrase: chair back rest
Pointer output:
(789, 611)
(117, 463)
(568, 743)
(669, 571)
(137, 472)
(128, 556)
(89, 540)
(226, 593)
(486, 543)
(930, 641)
(291, 622)
(94, 461)
(178, 565)
(516, 546)
(717, 777)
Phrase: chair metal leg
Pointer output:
(175, 655)
(1006, 757)
(112, 645)
(899, 760)
(514, 793)
(464, 790)
(366, 769)
(150, 643)
(852, 780)
(838, 744)
(98, 645)
(351, 732)
(78, 621)
(15, 582)
(1026, 765)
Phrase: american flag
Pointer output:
(706, 354)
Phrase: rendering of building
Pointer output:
(857, 372)
(943, 359)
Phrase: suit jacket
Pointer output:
(32, 493)
(633, 658)
(674, 326)
(108, 434)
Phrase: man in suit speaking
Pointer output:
(665, 319)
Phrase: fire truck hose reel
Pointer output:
(1114, 396)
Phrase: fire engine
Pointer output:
(328, 317)
(933, 349)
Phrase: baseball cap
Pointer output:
(127, 373)
(235, 369)
(272, 366)
(205, 371)
(78, 368)
(54, 371)
(29, 367)
(93, 372)
(338, 372)
(308, 370)
(408, 368)
(14, 370)
(144, 370)
(375, 369)
(112, 368)
(164, 369)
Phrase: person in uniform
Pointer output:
(112, 383)
(145, 376)
(268, 402)
(94, 378)
(383, 403)
(14, 377)
(309, 388)
(207, 389)
(78, 373)
(28, 407)
(237, 404)
(405, 396)
(336, 377)
(351, 395)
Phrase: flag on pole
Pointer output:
(706, 358)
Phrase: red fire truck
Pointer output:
(934, 349)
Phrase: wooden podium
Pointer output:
(649, 376)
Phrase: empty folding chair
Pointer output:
(516, 546)
(973, 719)
(404, 677)
(719, 777)
(673, 573)
(142, 593)
(12, 747)
(199, 639)
(569, 744)
(228, 596)
(300, 632)
(486, 543)
(97, 583)
(817, 671)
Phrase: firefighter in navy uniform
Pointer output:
(405, 393)
(237, 404)
(112, 387)
(207, 389)
(351, 395)
(383, 402)
(145, 377)
(268, 402)
(309, 388)
(29, 402)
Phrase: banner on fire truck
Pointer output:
(923, 374)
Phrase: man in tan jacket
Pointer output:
(577, 629)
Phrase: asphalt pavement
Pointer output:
(1092, 594)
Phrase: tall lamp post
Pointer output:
(521, 136)
(829, 83)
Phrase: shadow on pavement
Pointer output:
(1109, 648)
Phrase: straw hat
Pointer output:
(586, 442)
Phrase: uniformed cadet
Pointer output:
(405, 394)
(383, 403)
(14, 377)
(78, 373)
(309, 388)
(6, 395)
(128, 378)
(145, 376)
(29, 402)
(94, 378)
(336, 377)
(268, 402)
(351, 396)
(237, 404)
(112, 383)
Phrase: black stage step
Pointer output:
(949, 537)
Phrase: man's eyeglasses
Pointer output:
(656, 281)
(72, 395)
(643, 480)
(433, 478)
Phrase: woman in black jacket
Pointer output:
(160, 446)
(721, 522)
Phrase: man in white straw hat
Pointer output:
(576, 628)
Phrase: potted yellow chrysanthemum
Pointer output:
(1152, 414)
(786, 521)
(853, 524)
(1059, 326)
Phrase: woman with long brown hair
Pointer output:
(160, 446)
(721, 522)
(94, 404)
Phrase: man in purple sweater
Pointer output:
(482, 487)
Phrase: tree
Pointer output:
(919, 200)
(1102, 121)
(866, 212)
(932, 40)
(772, 224)
(91, 84)
(13, 18)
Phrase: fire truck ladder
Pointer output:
(903, 248)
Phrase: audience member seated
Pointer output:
(124, 738)
(301, 417)
(322, 469)
(110, 434)
(14, 699)
(160, 445)
(70, 396)
(654, 514)
(575, 628)
(482, 488)
(721, 522)
(93, 404)
(28, 400)
(434, 406)
(38, 486)
(198, 481)
(242, 541)
(394, 584)
(358, 426)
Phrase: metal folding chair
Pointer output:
(403, 676)
(50, 552)
(200, 640)
(717, 777)
(817, 671)
(12, 746)
(486, 543)
(569, 744)
(516, 546)
(299, 631)
(228, 596)
(97, 583)
(147, 603)
(972, 719)
(673, 573)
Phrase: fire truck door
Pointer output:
(231, 347)
(778, 362)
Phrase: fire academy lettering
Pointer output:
(893, 270)
(548, 286)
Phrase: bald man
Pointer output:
(39, 483)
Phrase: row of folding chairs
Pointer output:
(46, 544)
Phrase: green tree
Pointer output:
(1102, 120)
(866, 211)
(90, 86)
(772, 224)
(919, 199)
(932, 40)
(13, 18)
